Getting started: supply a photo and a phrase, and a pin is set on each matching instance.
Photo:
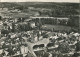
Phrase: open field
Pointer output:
(57, 27)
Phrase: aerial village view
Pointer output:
(38, 29)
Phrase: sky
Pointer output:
(74, 1)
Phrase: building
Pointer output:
(51, 20)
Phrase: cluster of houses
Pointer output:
(23, 35)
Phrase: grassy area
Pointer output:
(56, 27)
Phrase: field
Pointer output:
(56, 27)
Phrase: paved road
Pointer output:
(30, 45)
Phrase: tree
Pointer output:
(78, 46)
(19, 7)
(64, 47)
(0, 17)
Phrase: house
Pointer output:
(1, 23)
(31, 8)
(5, 9)
(32, 24)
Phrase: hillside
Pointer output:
(57, 8)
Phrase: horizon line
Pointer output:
(59, 1)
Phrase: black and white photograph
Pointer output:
(39, 28)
